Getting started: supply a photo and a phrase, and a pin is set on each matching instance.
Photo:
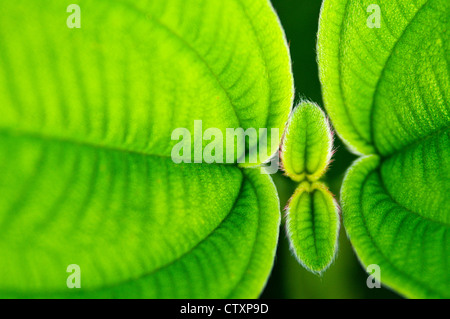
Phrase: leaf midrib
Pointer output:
(414, 143)
(89, 144)
(65, 140)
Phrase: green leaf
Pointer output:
(85, 142)
(307, 145)
(312, 224)
(412, 250)
(131, 238)
(136, 70)
(387, 92)
(312, 218)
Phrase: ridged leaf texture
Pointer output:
(312, 224)
(312, 216)
(307, 145)
(85, 147)
(387, 91)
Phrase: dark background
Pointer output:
(345, 278)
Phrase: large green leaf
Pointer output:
(387, 91)
(85, 142)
